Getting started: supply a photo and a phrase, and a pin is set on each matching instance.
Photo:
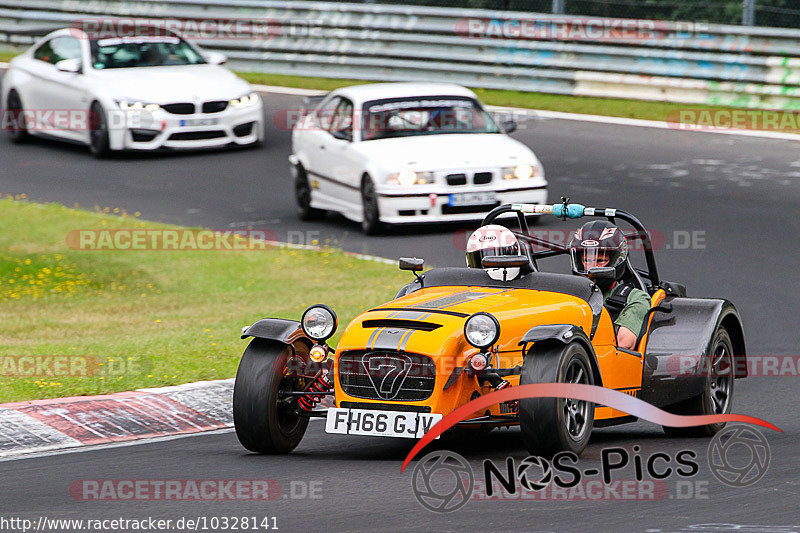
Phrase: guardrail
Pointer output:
(736, 66)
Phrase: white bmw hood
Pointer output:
(163, 85)
(435, 152)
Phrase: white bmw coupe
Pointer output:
(393, 153)
(128, 93)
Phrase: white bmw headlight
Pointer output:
(319, 322)
(522, 172)
(136, 105)
(247, 100)
(408, 177)
(482, 330)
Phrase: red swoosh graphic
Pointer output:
(590, 393)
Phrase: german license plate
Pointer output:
(194, 122)
(379, 423)
(472, 198)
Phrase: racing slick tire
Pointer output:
(371, 221)
(552, 425)
(302, 195)
(17, 131)
(99, 144)
(717, 396)
(264, 422)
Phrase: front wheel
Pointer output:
(302, 195)
(266, 420)
(98, 131)
(552, 425)
(717, 395)
(371, 223)
(16, 128)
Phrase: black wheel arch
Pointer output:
(288, 332)
(547, 335)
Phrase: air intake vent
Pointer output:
(400, 324)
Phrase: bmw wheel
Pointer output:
(98, 131)
(17, 130)
(371, 222)
(302, 194)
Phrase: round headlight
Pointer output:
(523, 172)
(482, 330)
(319, 322)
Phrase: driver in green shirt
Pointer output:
(601, 244)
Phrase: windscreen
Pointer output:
(430, 115)
(130, 52)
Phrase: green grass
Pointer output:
(151, 318)
(6, 56)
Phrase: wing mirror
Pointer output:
(69, 65)
(606, 273)
(505, 261)
(509, 126)
(216, 58)
(413, 264)
(342, 135)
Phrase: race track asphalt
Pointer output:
(738, 196)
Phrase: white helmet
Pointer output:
(493, 240)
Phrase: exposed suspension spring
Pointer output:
(514, 404)
(310, 400)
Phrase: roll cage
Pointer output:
(566, 210)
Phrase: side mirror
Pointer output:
(342, 135)
(505, 261)
(413, 264)
(69, 65)
(509, 126)
(216, 58)
(596, 273)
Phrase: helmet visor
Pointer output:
(584, 258)
(475, 257)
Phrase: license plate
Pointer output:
(379, 423)
(193, 122)
(472, 198)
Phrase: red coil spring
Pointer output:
(310, 400)
(514, 404)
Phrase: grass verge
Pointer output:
(149, 318)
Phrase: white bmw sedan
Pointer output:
(128, 93)
(393, 153)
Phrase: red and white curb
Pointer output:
(66, 423)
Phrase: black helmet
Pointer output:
(601, 243)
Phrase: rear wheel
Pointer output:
(98, 131)
(266, 420)
(302, 194)
(552, 425)
(371, 223)
(717, 396)
(17, 130)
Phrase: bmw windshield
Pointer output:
(427, 115)
(128, 52)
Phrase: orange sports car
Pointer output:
(455, 334)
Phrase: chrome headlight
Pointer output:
(482, 330)
(408, 177)
(136, 105)
(523, 172)
(247, 100)
(319, 322)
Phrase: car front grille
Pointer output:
(182, 108)
(196, 135)
(478, 178)
(386, 375)
(215, 107)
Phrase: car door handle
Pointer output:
(321, 146)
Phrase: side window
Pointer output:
(45, 52)
(325, 114)
(57, 49)
(344, 119)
